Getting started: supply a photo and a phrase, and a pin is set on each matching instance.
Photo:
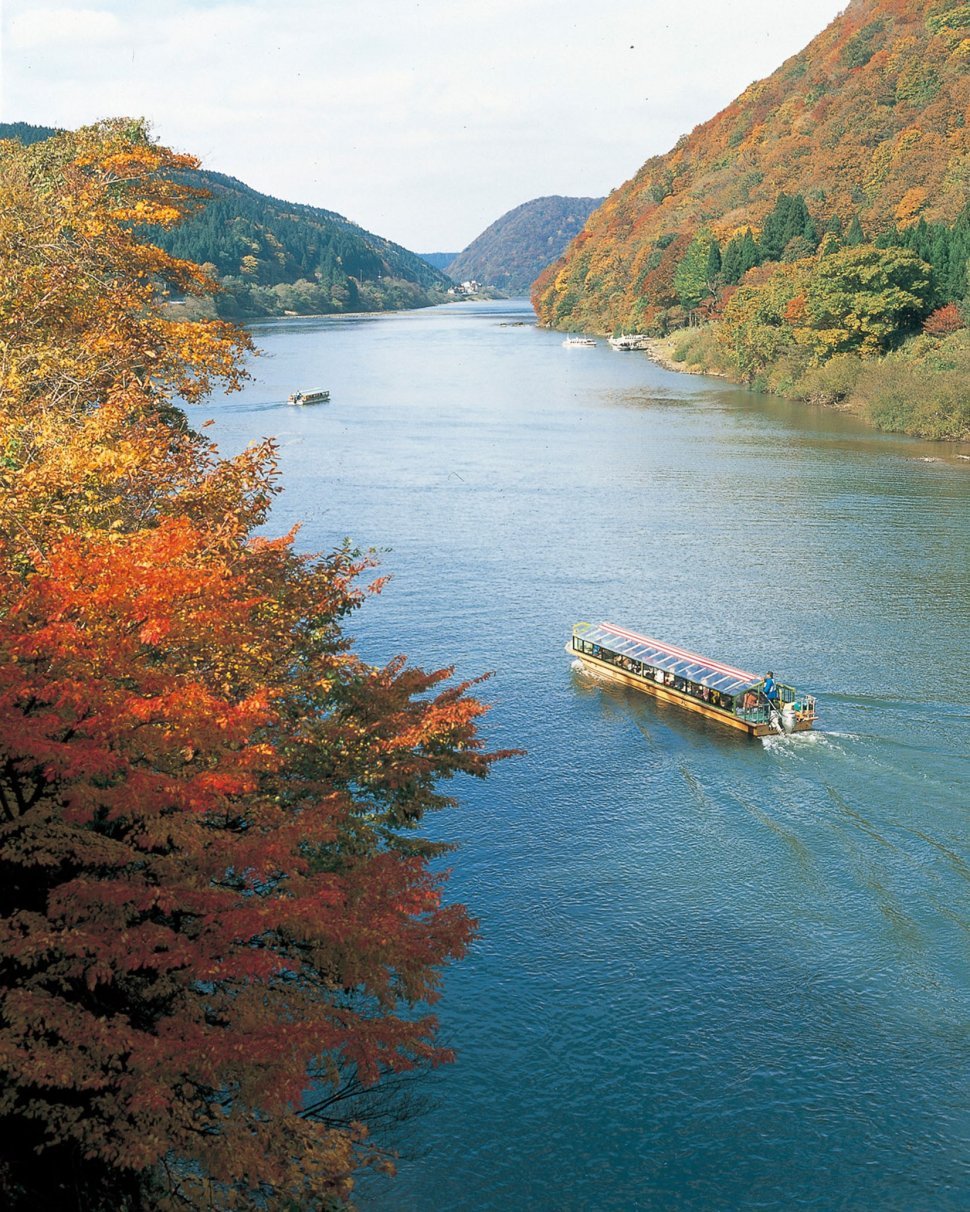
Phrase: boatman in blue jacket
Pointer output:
(771, 690)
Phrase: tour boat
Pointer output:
(309, 397)
(578, 342)
(630, 340)
(733, 697)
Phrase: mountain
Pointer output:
(866, 128)
(438, 260)
(26, 133)
(512, 253)
(274, 257)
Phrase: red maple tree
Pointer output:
(216, 916)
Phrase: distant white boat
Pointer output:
(630, 340)
(578, 342)
(309, 397)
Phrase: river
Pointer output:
(714, 973)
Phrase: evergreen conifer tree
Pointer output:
(731, 262)
(788, 219)
(854, 235)
(750, 252)
(740, 255)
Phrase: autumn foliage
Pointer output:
(944, 321)
(868, 123)
(216, 916)
(855, 300)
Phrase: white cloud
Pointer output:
(421, 120)
(36, 27)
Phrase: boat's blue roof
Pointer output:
(668, 657)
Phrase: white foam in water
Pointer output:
(593, 674)
(788, 746)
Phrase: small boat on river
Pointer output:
(309, 397)
(733, 697)
(628, 341)
(579, 343)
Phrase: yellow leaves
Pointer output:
(910, 206)
(904, 50)
(907, 141)
(159, 214)
(878, 169)
(88, 356)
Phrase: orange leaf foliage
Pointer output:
(869, 120)
(944, 321)
(215, 915)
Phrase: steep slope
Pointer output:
(274, 257)
(513, 251)
(868, 124)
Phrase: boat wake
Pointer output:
(791, 745)
(592, 675)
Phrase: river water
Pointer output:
(713, 972)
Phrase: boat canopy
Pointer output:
(669, 658)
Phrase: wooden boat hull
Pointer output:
(667, 694)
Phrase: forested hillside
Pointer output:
(511, 253)
(274, 257)
(822, 215)
(868, 124)
(25, 132)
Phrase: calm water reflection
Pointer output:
(713, 973)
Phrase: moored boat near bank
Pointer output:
(309, 397)
(733, 697)
(628, 341)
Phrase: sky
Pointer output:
(421, 120)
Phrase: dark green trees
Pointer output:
(741, 254)
(789, 220)
(945, 249)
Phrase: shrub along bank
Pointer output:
(864, 328)
(919, 389)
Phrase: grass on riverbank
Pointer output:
(921, 389)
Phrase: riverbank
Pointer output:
(662, 351)
(922, 389)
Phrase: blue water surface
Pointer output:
(712, 973)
